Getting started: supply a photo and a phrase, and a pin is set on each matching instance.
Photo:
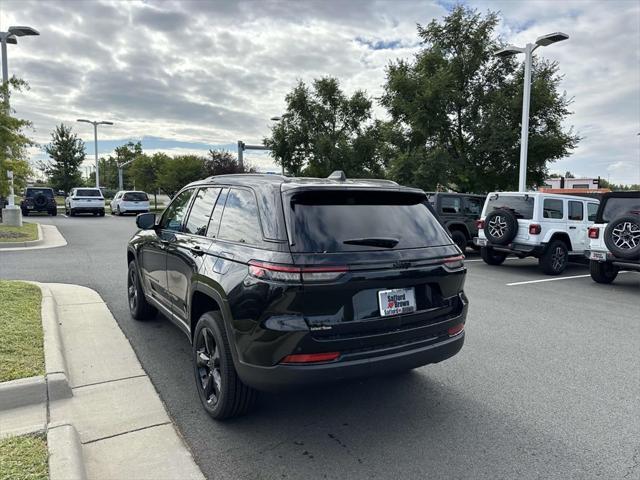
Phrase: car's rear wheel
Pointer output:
(460, 239)
(53, 212)
(602, 272)
(25, 212)
(555, 258)
(491, 257)
(221, 392)
(139, 307)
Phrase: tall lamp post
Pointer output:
(526, 97)
(95, 139)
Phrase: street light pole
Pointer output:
(95, 142)
(528, 50)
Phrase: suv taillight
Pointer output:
(292, 273)
(479, 224)
(594, 232)
(535, 229)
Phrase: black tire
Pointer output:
(622, 236)
(25, 213)
(139, 307)
(54, 212)
(40, 201)
(555, 258)
(221, 392)
(72, 213)
(491, 257)
(118, 211)
(460, 239)
(602, 272)
(500, 226)
(101, 213)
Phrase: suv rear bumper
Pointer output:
(287, 376)
(519, 249)
(618, 262)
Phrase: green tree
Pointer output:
(67, 153)
(223, 162)
(145, 172)
(176, 172)
(325, 130)
(128, 152)
(456, 110)
(13, 141)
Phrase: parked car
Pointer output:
(129, 201)
(283, 281)
(458, 212)
(84, 200)
(38, 199)
(550, 227)
(614, 239)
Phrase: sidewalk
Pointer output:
(110, 422)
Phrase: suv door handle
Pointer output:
(572, 228)
(196, 250)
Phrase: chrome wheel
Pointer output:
(208, 365)
(558, 258)
(132, 289)
(626, 235)
(497, 226)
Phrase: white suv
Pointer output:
(615, 237)
(546, 226)
(84, 200)
(129, 201)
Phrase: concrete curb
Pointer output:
(56, 371)
(30, 243)
(21, 392)
(66, 461)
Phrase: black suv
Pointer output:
(458, 212)
(39, 199)
(283, 281)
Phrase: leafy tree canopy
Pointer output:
(66, 151)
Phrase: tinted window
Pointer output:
(592, 209)
(473, 205)
(614, 207)
(32, 192)
(135, 197)
(240, 222)
(450, 204)
(173, 216)
(336, 221)
(88, 192)
(576, 210)
(552, 208)
(214, 224)
(201, 209)
(520, 205)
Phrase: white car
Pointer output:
(129, 201)
(547, 226)
(84, 200)
(615, 237)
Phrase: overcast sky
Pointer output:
(186, 76)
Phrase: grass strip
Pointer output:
(25, 233)
(24, 458)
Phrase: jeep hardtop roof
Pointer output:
(543, 194)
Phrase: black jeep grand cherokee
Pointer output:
(291, 281)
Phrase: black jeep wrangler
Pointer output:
(458, 213)
(38, 199)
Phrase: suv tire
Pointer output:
(460, 239)
(602, 272)
(25, 212)
(491, 257)
(554, 258)
(139, 307)
(500, 227)
(622, 236)
(222, 393)
(53, 212)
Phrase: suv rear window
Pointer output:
(88, 192)
(346, 221)
(32, 192)
(617, 206)
(520, 205)
(135, 197)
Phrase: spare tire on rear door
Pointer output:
(500, 226)
(622, 236)
(40, 200)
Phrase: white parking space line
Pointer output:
(551, 279)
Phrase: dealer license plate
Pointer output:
(397, 301)
(598, 255)
(481, 242)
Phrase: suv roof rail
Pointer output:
(337, 175)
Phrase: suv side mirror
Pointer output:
(146, 221)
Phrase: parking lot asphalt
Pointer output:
(546, 386)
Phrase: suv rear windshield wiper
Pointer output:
(374, 242)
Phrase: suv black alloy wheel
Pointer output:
(555, 258)
(500, 227)
(622, 236)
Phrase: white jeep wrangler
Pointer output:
(547, 226)
(615, 237)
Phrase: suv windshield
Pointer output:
(617, 206)
(337, 221)
(135, 197)
(86, 192)
(521, 206)
(32, 192)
